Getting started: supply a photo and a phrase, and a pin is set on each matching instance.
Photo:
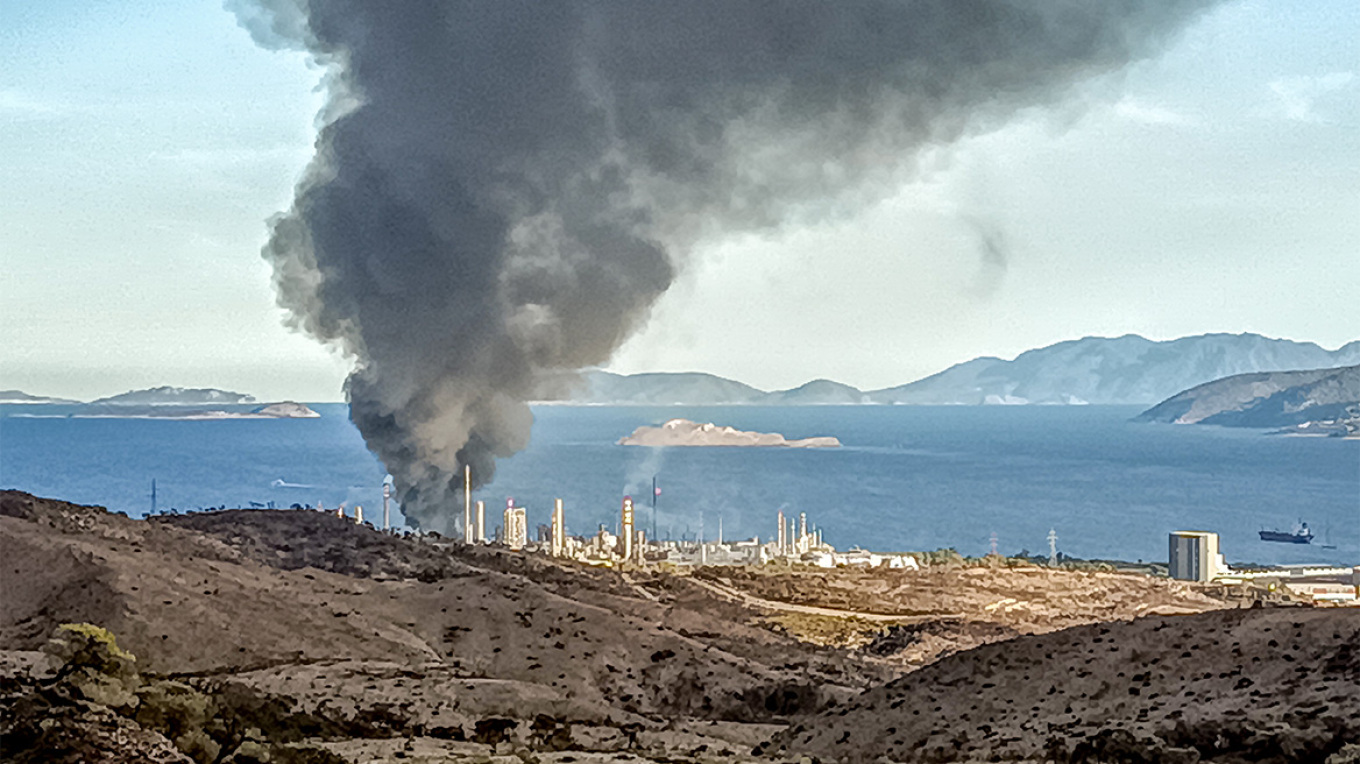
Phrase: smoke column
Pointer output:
(502, 189)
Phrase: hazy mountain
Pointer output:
(661, 389)
(1267, 399)
(1107, 370)
(175, 396)
(19, 396)
(1128, 369)
(816, 392)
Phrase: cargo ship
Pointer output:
(1300, 535)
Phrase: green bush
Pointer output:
(180, 713)
(94, 667)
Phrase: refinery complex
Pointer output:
(1192, 555)
(794, 540)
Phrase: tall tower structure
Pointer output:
(387, 513)
(559, 535)
(656, 491)
(481, 522)
(467, 503)
(1194, 556)
(780, 542)
(516, 533)
(802, 532)
(626, 531)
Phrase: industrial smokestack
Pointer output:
(558, 529)
(626, 534)
(467, 504)
(502, 189)
(387, 498)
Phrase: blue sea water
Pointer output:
(908, 478)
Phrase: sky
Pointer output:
(1213, 188)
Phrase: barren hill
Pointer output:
(314, 632)
(1258, 685)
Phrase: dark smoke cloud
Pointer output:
(993, 255)
(502, 189)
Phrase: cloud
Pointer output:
(217, 157)
(1297, 97)
(1133, 110)
(16, 103)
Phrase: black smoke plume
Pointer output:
(502, 189)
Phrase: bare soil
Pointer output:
(331, 639)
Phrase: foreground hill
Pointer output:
(1272, 399)
(1269, 685)
(298, 636)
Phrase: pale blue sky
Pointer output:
(1216, 188)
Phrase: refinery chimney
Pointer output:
(558, 531)
(627, 534)
(516, 528)
(780, 543)
(467, 503)
(387, 497)
(481, 522)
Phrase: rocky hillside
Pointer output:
(1271, 399)
(1260, 685)
(299, 636)
(344, 624)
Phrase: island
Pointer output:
(19, 397)
(175, 396)
(1307, 402)
(683, 432)
(281, 410)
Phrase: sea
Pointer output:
(908, 478)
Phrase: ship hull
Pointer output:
(1286, 538)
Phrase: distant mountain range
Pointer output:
(1326, 401)
(1102, 370)
(1117, 370)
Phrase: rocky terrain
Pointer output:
(1256, 685)
(298, 636)
(911, 618)
(1295, 399)
(683, 432)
